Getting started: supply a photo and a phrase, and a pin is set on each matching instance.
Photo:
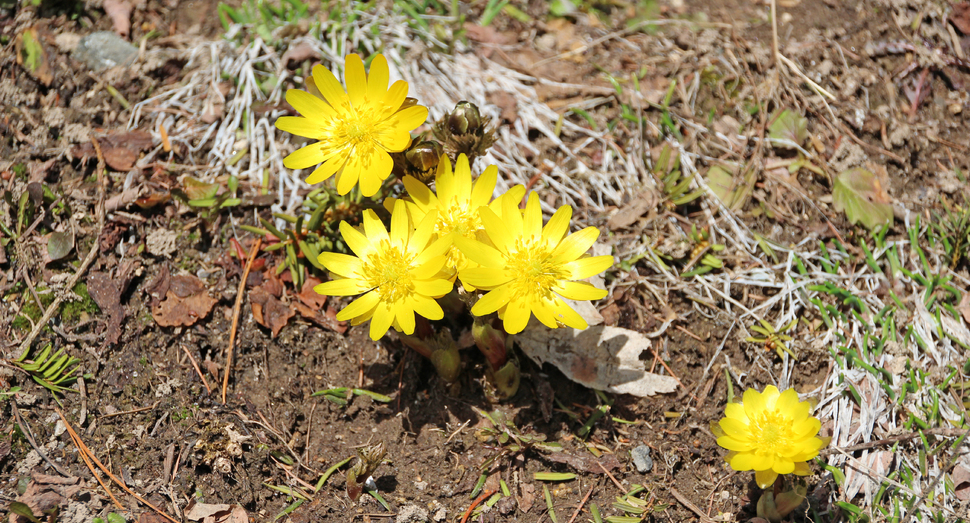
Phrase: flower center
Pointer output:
(457, 218)
(535, 274)
(772, 431)
(389, 271)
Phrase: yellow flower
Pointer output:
(530, 268)
(355, 129)
(769, 433)
(399, 273)
(457, 202)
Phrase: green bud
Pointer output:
(491, 342)
(504, 382)
(465, 119)
(776, 508)
(368, 459)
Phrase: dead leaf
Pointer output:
(185, 303)
(300, 53)
(310, 297)
(960, 17)
(632, 211)
(269, 311)
(151, 517)
(45, 492)
(525, 496)
(486, 35)
(106, 291)
(507, 103)
(120, 13)
(325, 320)
(32, 56)
(863, 197)
(600, 357)
(121, 149)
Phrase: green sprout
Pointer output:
(773, 339)
(368, 459)
(54, 372)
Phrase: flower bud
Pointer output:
(424, 156)
(465, 119)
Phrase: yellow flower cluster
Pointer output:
(455, 232)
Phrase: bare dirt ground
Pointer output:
(145, 412)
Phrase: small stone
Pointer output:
(103, 50)
(420, 485)
(955, 108)
(438, 511)
(411, 514)
(641, 459)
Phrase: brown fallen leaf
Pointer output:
(525, 496)
(216, 513)
(326, 320)
(44, 493)
(106, 291)
(300, 53)
(185, 303)
(121, 149)
(310, 297)
(120, 13)
(964, 307)
(269, 311)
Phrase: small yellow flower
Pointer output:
(769, 433)
(355, 129)
(457, 201)
(530, 268)
(399, 273)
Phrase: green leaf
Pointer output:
(59, 245)
(115, 518)
(861, 195)
(199, 190)
(788, 130)
(21, 509)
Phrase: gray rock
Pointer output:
(411, 514)
(641, 459)
(103, 50)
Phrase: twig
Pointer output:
(197, 369)
(485, 495)
(235, 314)
(581, 504)
(690, 506)
(613, 478)
(674, 376)
(88, 260)
(94, 472)
(774, 32)
(84, 449)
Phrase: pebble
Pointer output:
(411, 514)
(103, 50)
(641, 459)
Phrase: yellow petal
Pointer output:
(404, 316)
(437, 248)
(358, 243)
(374, 229)
(735, 429)
(736, 411)
(753, 403)
(735, 444)
(341, 287)
(304, 157)
(330, 88)
(497, 230)
(573, 290)
(765, 478)
(309, 105)
(463, 179)
(585, 267)
(394, 140)
(342, 264)
(409, 119)
(430, 268)
(517, 316)
(770, 396)
(567, 316)
(512, 218)
(544, 313)
(361, 307)
(743, 461)
(327, 168)
(802, 469)
(557, 226)
(426, 307)
(575, 245)
(783, 465)
(348, 177)
(433, 288)
(375, 166)
(492, 301)
(381, 321)
(377, 79)
(395, 97)
(400, 225)
(787, 402)
(482, 254)
(484, 278)
(806, 428)
(532, 218)
(356, 80)
(484, 187)
(300, 126)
